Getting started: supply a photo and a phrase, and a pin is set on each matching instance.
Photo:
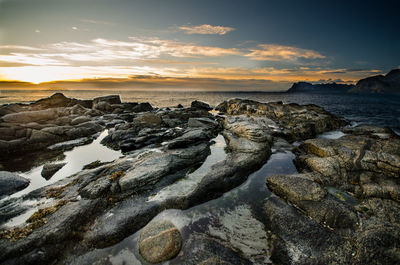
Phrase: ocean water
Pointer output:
(383, 110)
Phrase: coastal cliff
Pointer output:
(389, 83)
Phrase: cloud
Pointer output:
(19, 47)
(92, 21)
(273, 52)
(148, 82)
(206, 29)
(29, 59)
(184, 49)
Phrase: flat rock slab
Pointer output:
(159, 241)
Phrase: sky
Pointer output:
(186, 44)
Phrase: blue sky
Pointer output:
(262, 45)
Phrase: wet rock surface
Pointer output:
(159, 241)
(50, 169)
(341, 207)
(11, 183)
(348, 191)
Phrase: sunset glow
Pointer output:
(107, 46)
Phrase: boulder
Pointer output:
(50, 169)
(110, 99)
(159, 241)
(202, 123)
(200, 105)
(142, 107)
(11, 183)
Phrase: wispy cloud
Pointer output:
(19, 47)
(92, 21)
(206, 29)
(29, 59)
(273, 52)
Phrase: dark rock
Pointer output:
(301, 240)
(200, 105)
(200, 249)
(142, 107)
(190, 137)
(296, 188)
(110, 99)
(202, 123)
(31, 116)
(79, 120)
(96, 188)
(50, 169)
(58, 100)
(327, 88)
(295, 122)
(389, 83)
(11, 183)
(159, 241)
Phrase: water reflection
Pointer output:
(75, 159)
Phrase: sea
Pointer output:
(375, 109)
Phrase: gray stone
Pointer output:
(50, 169)
(296, 188)
(200, 105)
(11, 183)
(110, 99)
(202, 123)
(159, 241)
(79, 120)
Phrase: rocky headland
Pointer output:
(378, 84)
(157, 201)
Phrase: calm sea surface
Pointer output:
(381, 110)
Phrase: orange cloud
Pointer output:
(272, 52)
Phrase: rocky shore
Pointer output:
(340, 207)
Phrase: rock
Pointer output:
(58, 100)
(31, 116)
(296, 188)
(295, 122)
(370, 131)
(200, 105)
(202, 123)
(149, 120)
(50, 169)
(96, 188)
(256, 129)
(142, 107)
(300, 240)
(156, 165)
(388, 83)
(327, 88)
(203, 249)
(110, 99)
(11, 183)
(214, 261)
(190, 137)
(79, 120)
(244, 145)
(159, 241)
(102, 106)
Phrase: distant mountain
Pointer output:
(308, 87)
(389, 83)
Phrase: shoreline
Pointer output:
(111, 205)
